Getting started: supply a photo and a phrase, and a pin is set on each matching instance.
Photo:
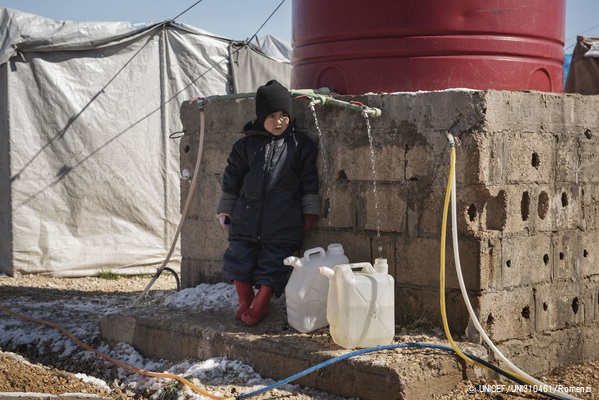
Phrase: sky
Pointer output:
(240, 19)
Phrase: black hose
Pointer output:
(172, 271)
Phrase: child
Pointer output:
(269, 200)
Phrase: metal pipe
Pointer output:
(356, 106)
(320, 97)
(248, 95)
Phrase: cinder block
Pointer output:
(389, 162)
(539, 354)
(384, 207)
(227, 116)
(190, 115)
(589, 196)
(511, 111)
(526, 260)
(482, 209)
(421, 305)
(193, 210)
(507, 314)
(566, 159)
(514, 209)
(543, 208)
(418, 162)
(530, 157)
(430, 111)
(588, 167)
(196, 243)
(194, 272)
(589, 299)
(418, 263)
(581, 114)
(207, 194)
(359, 161)
(567, 207)
(427, 208)
(520, 209)
(214, 159)
(560, 305)
(188, 150)
(205, 197)
(339, 209)
(352, 163)
(479, 263)
(567, 254)
(587, 258)
(480, 158)
(489, 262)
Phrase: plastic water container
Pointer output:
(361, 304)
(307, 290)
(407, 45)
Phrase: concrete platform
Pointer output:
(276, 350)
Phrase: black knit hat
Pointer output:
(271, 98)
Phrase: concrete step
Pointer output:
(277, 351)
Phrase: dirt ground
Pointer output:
(26, 369)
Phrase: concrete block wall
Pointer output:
(527, 208)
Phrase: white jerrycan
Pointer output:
(361, 304)
(306, 292)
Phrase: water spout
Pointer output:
(293, 261)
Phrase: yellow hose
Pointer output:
(442, 272)
(442, 263)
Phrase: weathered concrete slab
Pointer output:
(276, 350)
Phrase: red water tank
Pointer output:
(355, 47)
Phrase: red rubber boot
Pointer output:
(245, 292)
(259, 307)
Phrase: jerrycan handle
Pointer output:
(326, 271)
(313, 251)
(364, 267)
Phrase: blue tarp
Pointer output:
(567, 61)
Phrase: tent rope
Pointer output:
(267, 19)
(189, 8)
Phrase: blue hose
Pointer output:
(389, 347)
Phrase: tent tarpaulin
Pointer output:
(89, 179)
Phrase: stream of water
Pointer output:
(374, 192)
(325, 167)
(327, 180)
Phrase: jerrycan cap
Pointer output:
(381, 266)
(335, 248)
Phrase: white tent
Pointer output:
(89, 179)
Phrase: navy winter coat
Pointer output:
(272, 181)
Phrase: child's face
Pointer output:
(276, 123)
